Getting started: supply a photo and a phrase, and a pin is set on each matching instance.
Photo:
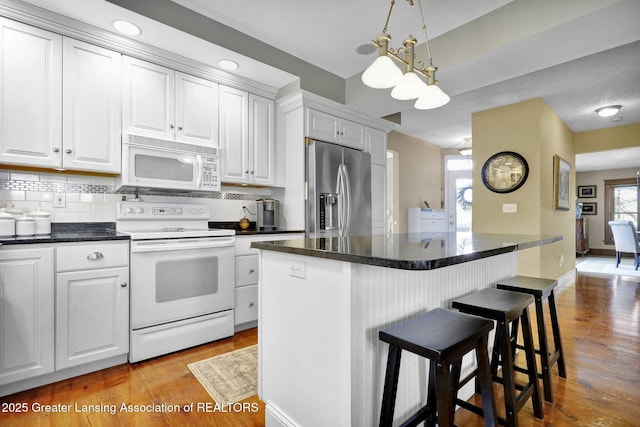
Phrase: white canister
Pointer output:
(7, 224)
(25, 226)
(43, 222)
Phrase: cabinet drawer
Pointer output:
(246, 309)
(246, 270)
(85, 256)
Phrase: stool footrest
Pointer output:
(477, 410)
(425, 414)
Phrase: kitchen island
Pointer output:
(322, 302)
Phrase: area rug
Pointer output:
(229, 377)
(606, 265)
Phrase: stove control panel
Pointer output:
(152, 210)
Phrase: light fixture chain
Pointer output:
(424, 28)
(386, 23)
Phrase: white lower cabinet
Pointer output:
(26, 310)
(92, 302)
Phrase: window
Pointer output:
(621, 203)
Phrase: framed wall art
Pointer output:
(561, 183)
(586, 191)
(589, 208)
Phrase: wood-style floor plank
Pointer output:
(599, 318)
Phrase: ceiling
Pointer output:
(577, 55)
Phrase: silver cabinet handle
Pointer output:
(247, 171)
(95, 256)
(251, 305)
(171, 126)
(123, 284)
(56, 150)
(68, 150)
(179, 127)
(253, 270)
(252, 172)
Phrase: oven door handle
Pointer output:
(179, 245)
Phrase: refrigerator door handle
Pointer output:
(347, 192)
(340, 193)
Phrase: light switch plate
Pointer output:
(509, 208)
(297, 269)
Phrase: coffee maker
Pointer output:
(268, 213)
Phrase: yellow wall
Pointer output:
(607, 139)
(420, 167)
(533, 130)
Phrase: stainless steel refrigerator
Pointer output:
(339, 190)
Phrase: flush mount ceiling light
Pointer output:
(227, 64)
(384, 73)
(609, 110)
(126, 27)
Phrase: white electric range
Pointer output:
(181, 277)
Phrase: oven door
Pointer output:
(176, 279)
(160, 168)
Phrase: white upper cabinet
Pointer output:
(376, 145)
(328, 128)
(159, 102)
(246, 137)
(30, 95)
(261, 140)
(91, 108)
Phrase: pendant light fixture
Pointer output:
(384, 74)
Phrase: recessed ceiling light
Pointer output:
(227, 64)
(609, 110)
(126, 27)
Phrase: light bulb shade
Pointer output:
(409, 87)
(382, 74)
(431, 97)
(608, 111)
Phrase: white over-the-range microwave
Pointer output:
(155, 164)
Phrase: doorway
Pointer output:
(458, 193)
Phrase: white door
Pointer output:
(148, 99)
(196, 110)
(261, 140)
(92, 315)
(26, 310)
(459, 190)
(234, 142)
(30, 95)
(92, 106)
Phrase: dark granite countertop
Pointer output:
(425, 251)
(70, 232)
(252, 230)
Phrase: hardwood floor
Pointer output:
(600, 321)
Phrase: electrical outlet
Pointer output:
(297, 269)
(509, 208)
(59, 200)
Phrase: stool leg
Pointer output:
(445, 399)
(544, 351)
(390, 386)
(530, 354)
(485, 383)
(514, 337)
(556, 335)
(508, 373)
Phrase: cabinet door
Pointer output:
(92, 105)
(246, 309)
(196, 110)
(322, 126)
(261, 140)
(30, 95)
(234, 113)
(92, 316)
(376, 145)
(148, 99)
(26, 310)
(351, 134)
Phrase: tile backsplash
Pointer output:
(93, 198)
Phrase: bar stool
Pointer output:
(506, 307)
(541, 289)
(443, 337)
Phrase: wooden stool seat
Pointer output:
(443, 337)
(541, 289)
(506, 307)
